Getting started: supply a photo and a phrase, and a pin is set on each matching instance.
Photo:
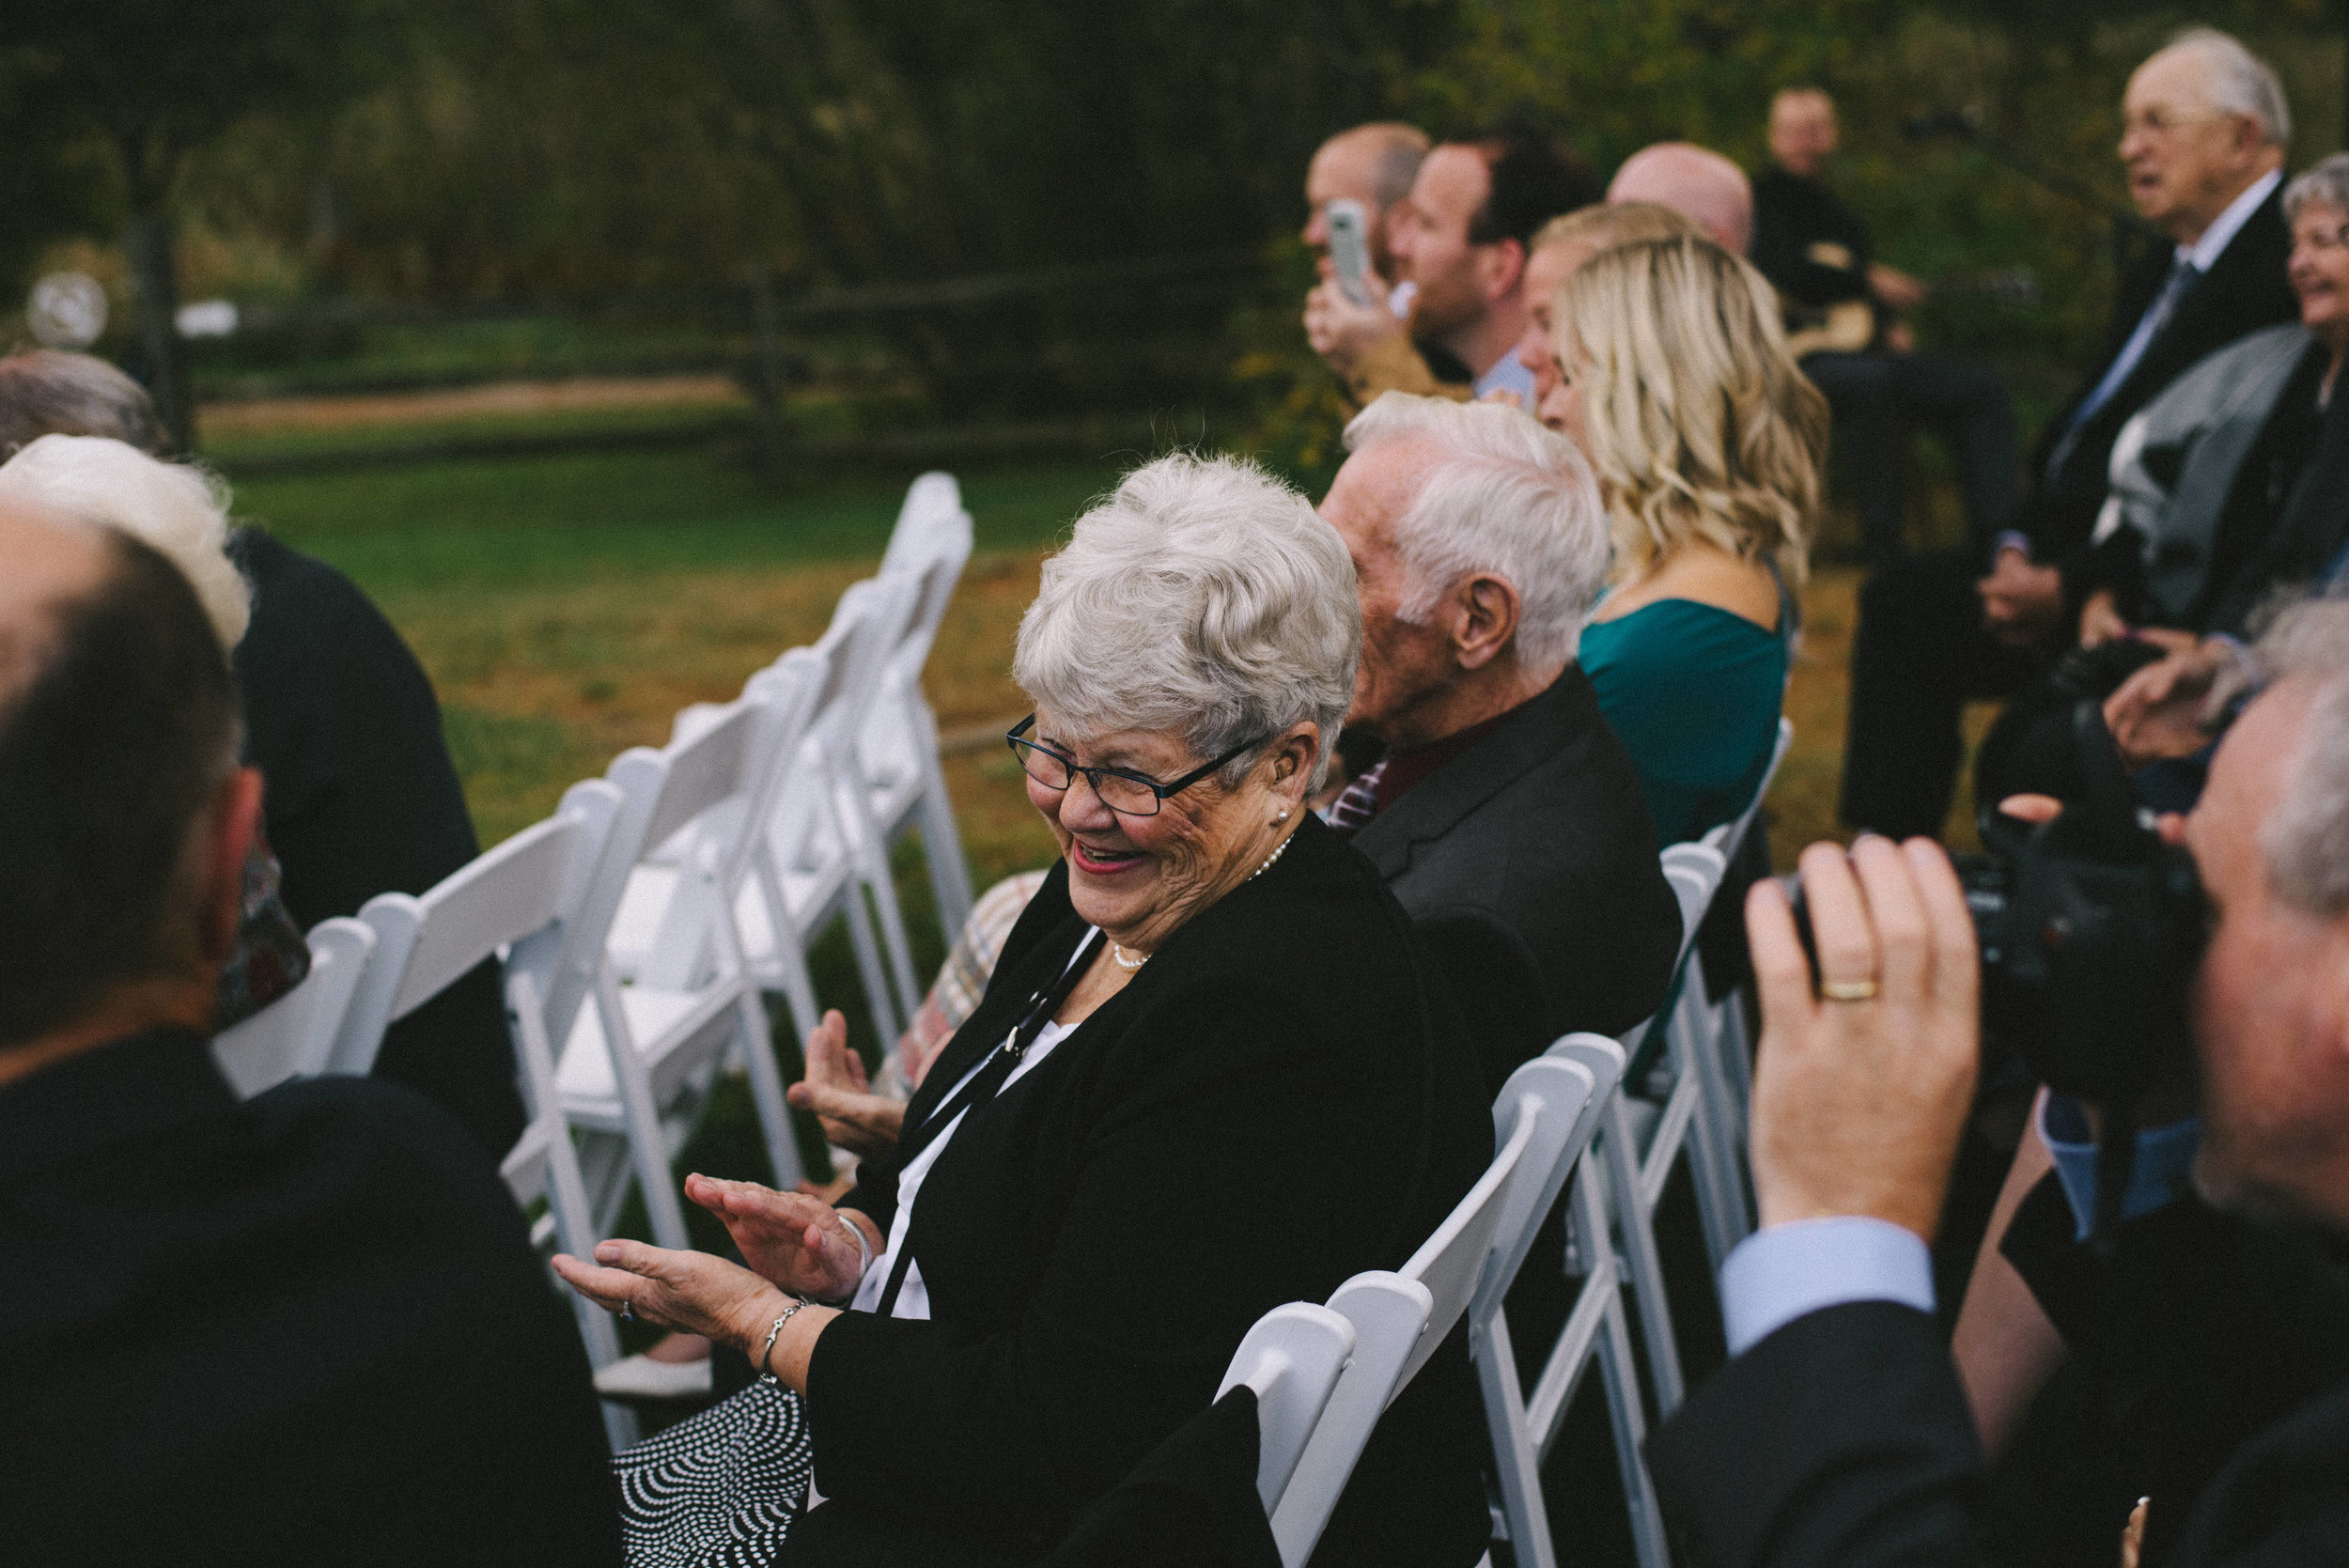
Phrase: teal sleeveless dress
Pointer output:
(1695, 692)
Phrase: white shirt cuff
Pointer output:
(1788, 1271)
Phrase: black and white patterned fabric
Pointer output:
(718, 1490)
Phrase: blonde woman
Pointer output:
(1708, 446)
(1564, 243)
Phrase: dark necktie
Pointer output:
(2149, 326)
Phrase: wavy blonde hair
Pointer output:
(1698, 423)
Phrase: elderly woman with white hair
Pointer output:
(1213, 1072)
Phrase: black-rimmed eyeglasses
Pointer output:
(1125, 792)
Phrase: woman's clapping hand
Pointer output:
(800, 1243)
(691, 1292)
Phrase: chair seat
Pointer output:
(591, 1096)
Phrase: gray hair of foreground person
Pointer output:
(1202, 597)
(48, 391)
(2305, 840)
(2236, 82)
(177, 511)
(1501, 496)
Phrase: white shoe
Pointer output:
(633, 1377)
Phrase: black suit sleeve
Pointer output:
(1230, 1149)
(1844, 1440)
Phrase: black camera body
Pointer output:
(2090, 928)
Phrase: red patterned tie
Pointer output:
(1359, 804)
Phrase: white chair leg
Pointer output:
(775, 1114)
(1623, 1409)
(1518, 1464)
(868, 964)
(1642, 1268)
(942, 842)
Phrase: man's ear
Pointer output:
(229, 825)
(1503, 265)
(1485, 619)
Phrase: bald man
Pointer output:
(303, 1328)
(1696, 182)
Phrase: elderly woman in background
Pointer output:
(1211, 1074)
(1707, 441)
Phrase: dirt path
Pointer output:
(276, 414)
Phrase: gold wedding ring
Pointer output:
(1847, 990)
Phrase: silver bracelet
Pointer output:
(863, 1251)
(766, 1375)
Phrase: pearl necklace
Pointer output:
(1117, 954)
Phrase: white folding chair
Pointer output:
(1578, 1078)
(523, 898)
(1638, 1167)
(1399, 1319)
(899, 740)
(294, 1036)
(638, 1060)
(807, 866)
(1291, 1358)
(1726, 1022)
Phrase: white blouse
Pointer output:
(913, 1297)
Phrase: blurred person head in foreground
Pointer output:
(1696, 181)
(223, 1230)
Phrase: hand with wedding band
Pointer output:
(1861, 1087)
(690, 1292)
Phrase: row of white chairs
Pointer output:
(642, 924)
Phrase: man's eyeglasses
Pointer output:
(1125, 792)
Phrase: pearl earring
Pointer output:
(1283, 817)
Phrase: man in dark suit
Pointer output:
(304, 1329)
(1505, 816)
(2205, 127)
(1839, 1432)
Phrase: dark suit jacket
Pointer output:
(1529, 865)
(2310, 534)
(362, 799)
(1277, 1102)
(1844, 1440)
(302, 1329)
(2243, 290)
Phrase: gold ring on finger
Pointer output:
(1847, 990)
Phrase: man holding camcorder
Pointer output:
(1840, 1433)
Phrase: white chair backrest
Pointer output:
(865, 628)
(1451, 1262)
(294, 1036)
(1563, 1096)
(521, 888)
(1695, 872)
(933, 503)
(1291, 1357)
(1399, 1319)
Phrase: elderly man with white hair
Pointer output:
(2204, 126)
(1505, 816)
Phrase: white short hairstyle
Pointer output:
(179, 512)
(1506, 498)
(2307, 839)
(2239, 82)
(1203, 597)
(2326, 183)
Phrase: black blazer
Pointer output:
(1528, 864)
(2310, 534)
(1844, 1438)
(307, 1329)
(1278, 1101)
(2243, 290)
(362, 799)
